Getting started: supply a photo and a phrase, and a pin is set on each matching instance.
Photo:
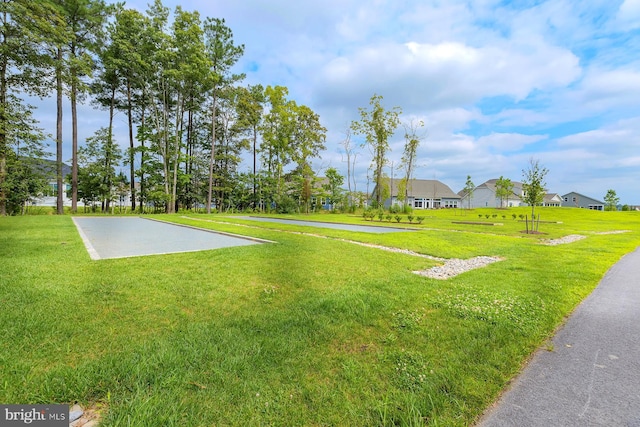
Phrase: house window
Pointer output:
(417, 203)
(566, 199)
(573, 199)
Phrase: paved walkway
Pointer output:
(592, 376)
(333, 225)
(121, 237)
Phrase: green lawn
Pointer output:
(304, 331)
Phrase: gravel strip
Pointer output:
(613, 232)
(453, 267)
(564, 240)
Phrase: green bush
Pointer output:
(398, 218)
(368, 214)
(420, 219)
(410, 218)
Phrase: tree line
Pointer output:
(190, 120)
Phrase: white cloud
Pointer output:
(508, 141)
(622, 137)
(448, 74)
(602, 90)
(628, 16)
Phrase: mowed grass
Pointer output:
(303, 331)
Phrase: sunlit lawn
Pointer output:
(304, 331)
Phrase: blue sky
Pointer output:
(496, 82)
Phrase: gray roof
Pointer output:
(48, 168)
(491, 186)
(583, 196)
(549, 197)
(423, 188)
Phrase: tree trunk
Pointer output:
(188, 164)
(176, 158)
(74, 148)
(109, 152)
(59, 200)
(132, 169)
(4, 149)
(142, 153)
(213, 152)
(255, 138)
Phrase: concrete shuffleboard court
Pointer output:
(335, 226)
(122, 237)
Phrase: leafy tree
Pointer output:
(231, 143)
(178, 66)
(377, 125)
(250, 108)
(126, 53)
(611, 199)
(105, 89)
(85, 21)
(277, 136)
(504, 188)
(26, 173)
(467, 192)
(334, 187)
(351, 165)
(98, 160)
(308, 139)
(25, 27)
(412, 142)
(533, 184)
(222, 54)
(121, 189)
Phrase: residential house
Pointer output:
(49, 197)
(320, 196)
(422, 194)
(552, 199)
(578, 200)
(484, 196)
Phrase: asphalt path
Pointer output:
(121, 237)
(591, 376)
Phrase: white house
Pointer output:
(552, 199)
(422, 194)
(484, 196)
